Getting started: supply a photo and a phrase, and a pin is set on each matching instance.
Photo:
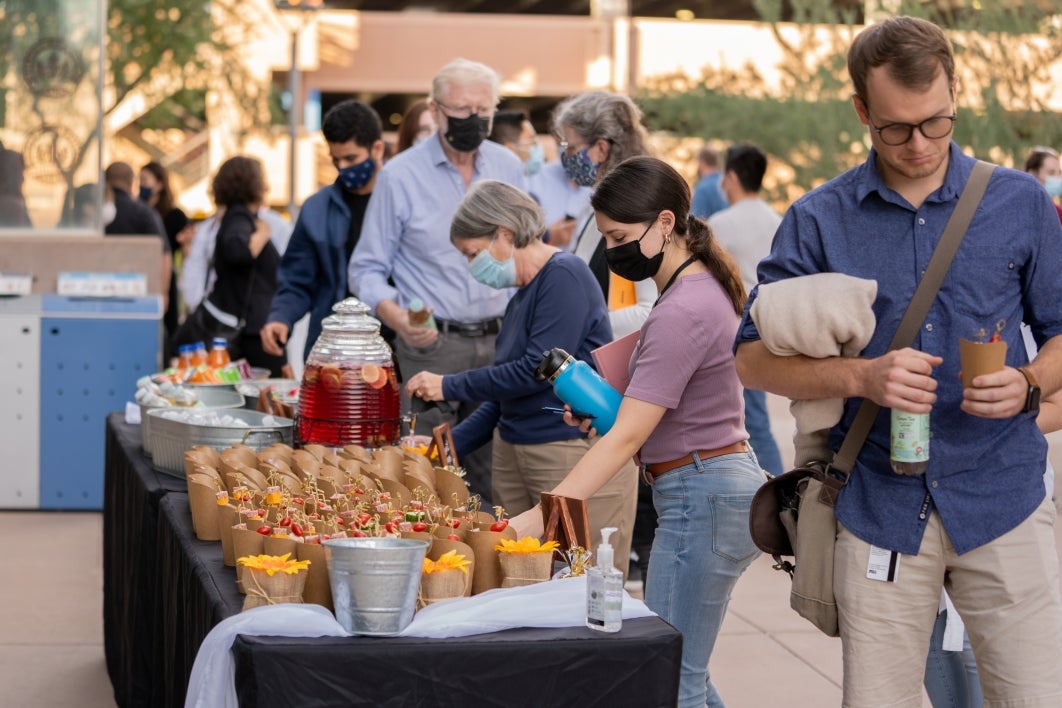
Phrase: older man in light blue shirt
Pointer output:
(405, 250)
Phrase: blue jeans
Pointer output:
(951, 676)
(758, 425)
(702, 547)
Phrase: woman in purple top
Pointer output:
(681, 413)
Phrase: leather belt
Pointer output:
(654, 470)
(470, 329)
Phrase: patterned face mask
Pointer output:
(580, 168)
(357, 176)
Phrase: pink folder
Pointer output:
(613, 360)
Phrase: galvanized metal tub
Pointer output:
(209, 398)
(375, 582)
(171, 438)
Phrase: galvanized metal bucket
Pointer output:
(375, 582)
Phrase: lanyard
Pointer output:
(670, 281)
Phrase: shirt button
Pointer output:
(933, 484)
(922, 517)
(1010, 265)
(929, 327)
(921, 221)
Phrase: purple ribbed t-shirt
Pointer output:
(684, 362)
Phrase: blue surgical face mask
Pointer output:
(357, 176)
(580, 168)
(491, 272)
(536, 155)
(145, 193)
(1053, 185)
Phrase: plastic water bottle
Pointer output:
(219, 353)
(184, 356)
(583, 389)
(909, 442)
(199, 355)
(420, 315)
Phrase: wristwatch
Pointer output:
(1032, 396)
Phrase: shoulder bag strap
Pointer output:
(916, 312)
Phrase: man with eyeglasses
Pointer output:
(406, 239)
(977, 520)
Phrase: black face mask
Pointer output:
(466, 134)
(627, 260)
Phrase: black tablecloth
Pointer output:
(164, 590)
(131, 494)
(573, 666)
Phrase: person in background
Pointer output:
(746, 229)
(1043, 164)
(155, 191)
(245, 261)
(498, 229)
(13, 212)
(134, 218)
(559, 197)
(977, 521)
(597, 131)
(196, 276)
(405, 250)
(708, 196)
(513, 129)
(417, 125)
(681, 412)
(313, 272)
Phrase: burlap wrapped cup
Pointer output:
(441, 585)
(519, 569)
(265, 589)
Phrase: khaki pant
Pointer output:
(1006, 591)
(520, 474)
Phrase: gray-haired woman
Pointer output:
(597, 131)
(499, 230)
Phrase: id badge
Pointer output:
(884, 565)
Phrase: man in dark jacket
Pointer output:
(313, 272)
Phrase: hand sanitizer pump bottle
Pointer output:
(604, 590)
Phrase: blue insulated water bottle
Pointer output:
(577, 384)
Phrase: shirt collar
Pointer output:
(868, 180)
(438, 155)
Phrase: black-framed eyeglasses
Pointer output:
(461, 112)
(933, 128)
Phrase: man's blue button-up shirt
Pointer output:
(984, 476)
(406, 234)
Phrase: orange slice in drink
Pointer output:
(373, 375)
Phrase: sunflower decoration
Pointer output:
(272, 580)
(525, 561)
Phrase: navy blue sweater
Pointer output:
(561, 307)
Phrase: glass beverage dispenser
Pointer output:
(349, 394)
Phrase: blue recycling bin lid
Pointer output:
(143, 307)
